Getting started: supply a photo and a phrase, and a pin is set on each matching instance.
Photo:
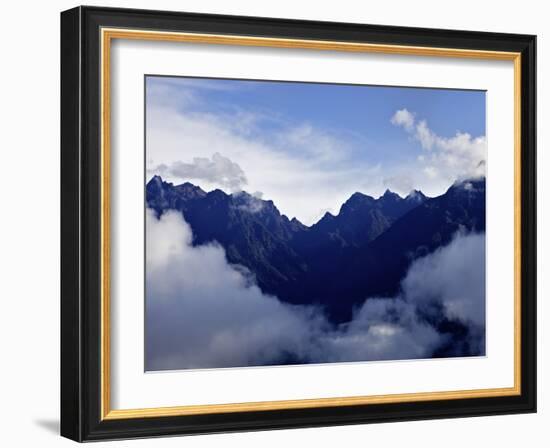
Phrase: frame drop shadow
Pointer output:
(49, 425)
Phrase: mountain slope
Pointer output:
(340, 261)
(362, 218)
(253, 232)
(377, 268)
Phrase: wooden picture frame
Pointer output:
(86, 36)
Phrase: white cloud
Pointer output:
(404, 118)
(382, 329)
(403, 183)
(445, 159)
(218, 170)
(452, 279)
(202, 312)
(251, 203)
(456, 276)
(314, 143)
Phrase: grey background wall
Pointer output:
(29, 236)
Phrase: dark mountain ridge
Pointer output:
(339, 261)
(353, 224)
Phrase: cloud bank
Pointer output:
(218, 317)
(210, 317)
(456, 276)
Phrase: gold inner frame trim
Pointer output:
(107, 35)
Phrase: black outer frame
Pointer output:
(80, 224)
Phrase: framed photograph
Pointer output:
(273, 223)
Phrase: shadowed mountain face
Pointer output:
(337, 263)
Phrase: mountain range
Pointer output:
(363, 251)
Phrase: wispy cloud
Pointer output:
(450, 158)
(300, 167)
(251, 203)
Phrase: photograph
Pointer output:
(295, 223)
(293, 220)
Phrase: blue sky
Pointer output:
(346, 136)
(365, 110)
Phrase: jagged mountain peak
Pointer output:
(156, 182)
(218, 193)
(355, 201)
(390, 195)
(190, 191)
(416, 195)
(327, 217)
(156, 179)
(360, 218)
(187, 188)
(467, 187)
(357, 196)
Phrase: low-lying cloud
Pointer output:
(456, 276)
(202, 312)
